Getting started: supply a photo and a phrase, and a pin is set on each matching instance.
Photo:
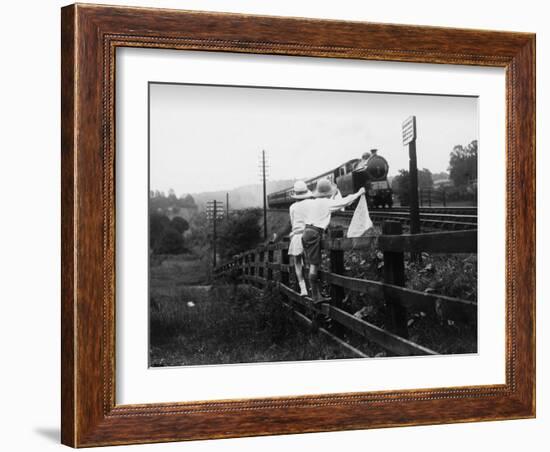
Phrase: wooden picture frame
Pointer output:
(90, 36)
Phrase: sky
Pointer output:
(206, 138)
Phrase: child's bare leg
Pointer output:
(314, 282)
(299, 268)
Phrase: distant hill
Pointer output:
(241, 197)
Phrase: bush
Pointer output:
(239, 233)
(171, 242)
(157, 224)
(401, 183)
(179, 224)
(463, 164)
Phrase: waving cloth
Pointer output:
(360, 221)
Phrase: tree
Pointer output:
(165, 236)
(199, 228)
(157, 224)
(172, 195)
(179, 224)
(160, 203)
(171, 242)
(239, 233)
(187, 201)
(400, 184)
(425, 179)
(463, 164)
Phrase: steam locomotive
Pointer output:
(370, 171)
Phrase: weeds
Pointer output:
(229, 324)
(453, 275)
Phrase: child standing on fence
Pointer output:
(317, 213)
(298, 223)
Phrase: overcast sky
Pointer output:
(207, 138)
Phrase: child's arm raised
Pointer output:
(337, 204)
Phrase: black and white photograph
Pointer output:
(263, 226)
(299, 225)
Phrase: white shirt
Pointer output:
(317, 211)
(298, 217)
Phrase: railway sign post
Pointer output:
(409, 138)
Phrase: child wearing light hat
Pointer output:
(317, 212)
(298, 222)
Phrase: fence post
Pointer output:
(269, 262)
(279, 260)
(254, 268)
(261, 269)
(285, 260)
(250, 264)
(394, 273)
(337, 293)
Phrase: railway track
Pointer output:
(447, 218)
(457, 210)
(434, 220)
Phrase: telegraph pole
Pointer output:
(263, 176)
(227, 205)
(214, 217)
(213, 212)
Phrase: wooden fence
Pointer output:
(443, 196)
(268, 266)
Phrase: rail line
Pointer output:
(455, 210)
(452, 218)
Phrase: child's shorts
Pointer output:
(311, 240)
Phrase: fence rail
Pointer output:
(269, 266)
(444, 195)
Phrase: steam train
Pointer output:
(371, 172)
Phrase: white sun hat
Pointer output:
(300, 190)
(324, 189)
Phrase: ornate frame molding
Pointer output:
(90, 37)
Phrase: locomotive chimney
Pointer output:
(373, 151)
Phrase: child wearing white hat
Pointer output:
(317, 213)
(298, 224)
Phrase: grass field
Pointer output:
(205, 324)
(167, 272)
